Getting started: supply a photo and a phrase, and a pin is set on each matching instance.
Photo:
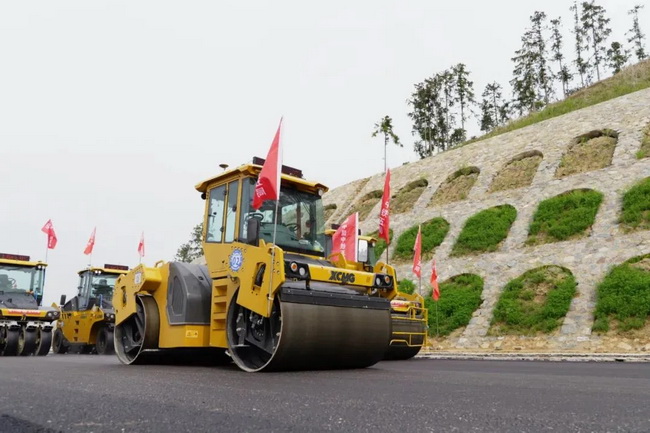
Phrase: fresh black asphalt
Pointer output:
(91, 393)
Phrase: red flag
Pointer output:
(268, 182)
(435, 293)
(417, 259)
(384, 213)
(91, 243)
(346, 238)
(141, 245)
(48, 229)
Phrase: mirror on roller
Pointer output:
(253, 231)
(363, 251)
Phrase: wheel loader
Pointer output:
(269, 298)
(408, 314)
(25, 326)
(87, 321)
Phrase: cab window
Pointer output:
(231, 211)
(215, 226)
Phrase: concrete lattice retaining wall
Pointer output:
(588, 258)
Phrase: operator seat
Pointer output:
(4, 282)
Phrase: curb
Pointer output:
(574, 357)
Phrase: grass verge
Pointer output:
(623, 297)
(564, 216)
(644, 151)
(635, 213)
(456, 187)
(381, 244)
(365, 204)
(536, 302)
(433, 233)
(518, 173)
(485, 231)
(591, 151)
(460, 296)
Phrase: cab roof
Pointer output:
(253, 170)
(25, 263)
(103, 271)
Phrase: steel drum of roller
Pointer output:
(310, 330)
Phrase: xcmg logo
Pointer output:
(342, 277)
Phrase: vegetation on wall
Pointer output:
(565, 216)
(535, 302)
(460, 296)
(365, 204)
(456, 187)
(328, 210)
(404, 200)
(433, 233)
(623, 297)
(591, 151)
(635, 214)
(406, 286)
(518, 173)
(485, 231)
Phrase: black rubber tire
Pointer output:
(59, 344)
(27, 342)
(11, 337)
(44, 343)
(105, 344)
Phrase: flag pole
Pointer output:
(275, 230)
(437, 328)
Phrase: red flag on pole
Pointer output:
(48, 229)
(141, 245)
(435, 293)
(384, 213)
(268, 182)
(417, 259)
(91, 243)
(346, 238)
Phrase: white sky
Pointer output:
(111, 111)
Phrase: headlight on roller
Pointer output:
(383, 281)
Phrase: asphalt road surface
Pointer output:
(91, 393)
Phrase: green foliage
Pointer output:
(535, 302)
(193, 248)
(381, 244)
(433, 233)
(406, 286)
(564, 216)
(624, 296)
(636, 206)
(460, 296)
(404, 200)
(485, 231)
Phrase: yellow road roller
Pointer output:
(86, 321)
(25, 326)
(408, 314)
(268, 306)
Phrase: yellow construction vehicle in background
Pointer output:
(280, 305)
(87, 321)
(408, 314)
(25, 326)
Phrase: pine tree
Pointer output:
(636, 37)
(617, 57)
(563, 73)
(533, 81)
(464, 91)
(494, 110)
(581, 61)
(385, 127)
(596, 26)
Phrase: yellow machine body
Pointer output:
(25, 325)
(272, 306)
(87, 320)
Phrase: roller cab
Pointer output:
(268, 296)
(25, 325)
(87, 320)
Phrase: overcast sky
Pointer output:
(111, 111)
